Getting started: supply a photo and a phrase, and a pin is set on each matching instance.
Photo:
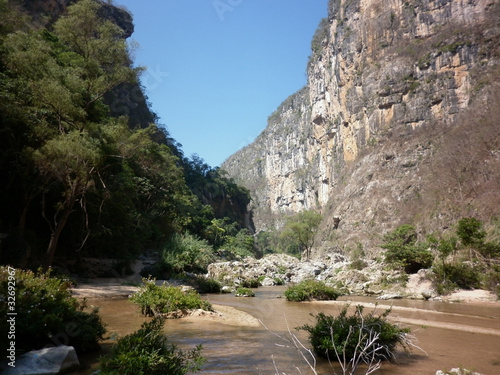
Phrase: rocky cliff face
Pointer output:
(386, 81)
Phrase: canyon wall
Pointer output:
(386, 80)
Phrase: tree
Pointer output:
(64, 76)
(70, 161)
(470, 231)
(403, 249)
(302, 228)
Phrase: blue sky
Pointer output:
(216, 69)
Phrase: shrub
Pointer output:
(185, 253)
(147, 351)
(343, 334)
(47, 313)
(492, 279)
(244, 292)
(162, 299)
(250, 283)
(404, 251)
(308, 290)
(453, 275)
(242, 244)
(470, 231)
(204, 284)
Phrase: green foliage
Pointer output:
(147, 351)
(309, 290)
(185, 253)
(404, 251)
(162, 299)
(244, 292)
(357, 261)
(242, 244)
(301, 228)
(491, 279)
(250, 283)
(76, 179)
(319, 36)
(456, 275)
(204, 284)
(344, 333)
(470, 231)
(467, 260)
(47, 314)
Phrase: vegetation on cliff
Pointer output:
(78, 177)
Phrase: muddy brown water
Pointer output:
(450, 334)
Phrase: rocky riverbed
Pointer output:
(335, 269)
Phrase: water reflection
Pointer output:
(451, 334)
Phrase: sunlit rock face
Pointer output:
(379, 70)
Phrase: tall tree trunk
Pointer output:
(56, 233)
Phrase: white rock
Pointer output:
(48, 361)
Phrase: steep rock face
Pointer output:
(379, 71)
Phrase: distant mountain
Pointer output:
(398, 123)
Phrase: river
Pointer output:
(450, 334)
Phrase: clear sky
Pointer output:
(216, 69)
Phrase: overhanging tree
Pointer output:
(65, 75)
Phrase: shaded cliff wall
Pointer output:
(386, 81)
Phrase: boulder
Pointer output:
(226, 289)
(268, 282)
(48, 361)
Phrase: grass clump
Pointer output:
(47, 314)
(163, 299)
(308, 290)
(342, 336)
(244, 292)
(147, 351)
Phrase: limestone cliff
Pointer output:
(390, 85)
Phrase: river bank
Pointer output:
(450, 333)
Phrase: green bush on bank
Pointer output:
(466, 260)
(346, 334)
(162, 299)
(147, 351)
(204, 284)
(308, 290)
(186, 253)
(403, 250)
(47, 314)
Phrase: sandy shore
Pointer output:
(477, 296)
(222, 314)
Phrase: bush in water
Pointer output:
(162, 299)
(308, 290)
(341, 336)
(147, 351)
